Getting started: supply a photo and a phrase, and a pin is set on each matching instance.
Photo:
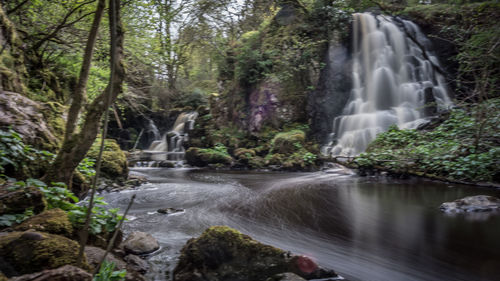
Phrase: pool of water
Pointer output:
(365, 228)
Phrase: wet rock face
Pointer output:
(479, 203)
(224, 254)
(140, 243)
(332, 92)
(26, 117)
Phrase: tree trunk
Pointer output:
(76, 146)
(79, 94)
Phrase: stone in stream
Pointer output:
(478, 203)
(140, 243)
(136, 263)
(169, 211)
(224, 254)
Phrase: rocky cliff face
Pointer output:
(332, 92)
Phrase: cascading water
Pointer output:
(170, 146)
(393, 81)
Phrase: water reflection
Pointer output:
(365, 228)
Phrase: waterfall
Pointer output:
(170, 145)
(393, 82)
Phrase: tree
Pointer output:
(79, 92)
(76, 146)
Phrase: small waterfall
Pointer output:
(393, 83)
(170, 145)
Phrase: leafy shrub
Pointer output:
(464, 147)
(103, 220)
(107, 273)
(10, 219)
(14, 153)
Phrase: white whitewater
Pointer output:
(170, 146)
(390, 78)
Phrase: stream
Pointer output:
(365, 228)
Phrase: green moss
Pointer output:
(53, 221)
(29, 252)
(114, 160)
(288, 142)
(227, 253)
(53, 113)
(204, 156)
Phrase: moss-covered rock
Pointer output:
(114, 161)
(27, 252)
(53, 221)
(288, 142)
(222, 253)
(202, 157)
(18, 200)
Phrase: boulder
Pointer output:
(64, 273)
(94, 256)
(225, 254)
(136, 263)
(114, 161)
(478, 203)
(53, 221)
(140, 243)
(17, 201)
(288, 142)
(136, 180)
(29, 251)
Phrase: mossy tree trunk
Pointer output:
(76, 146)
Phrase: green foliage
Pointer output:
(10, 219)
(464, 147)
(470, 28)
(251, 62)
(107, 273)
(13, 151)
(103, 220)
(309, 158)
(86, 167)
